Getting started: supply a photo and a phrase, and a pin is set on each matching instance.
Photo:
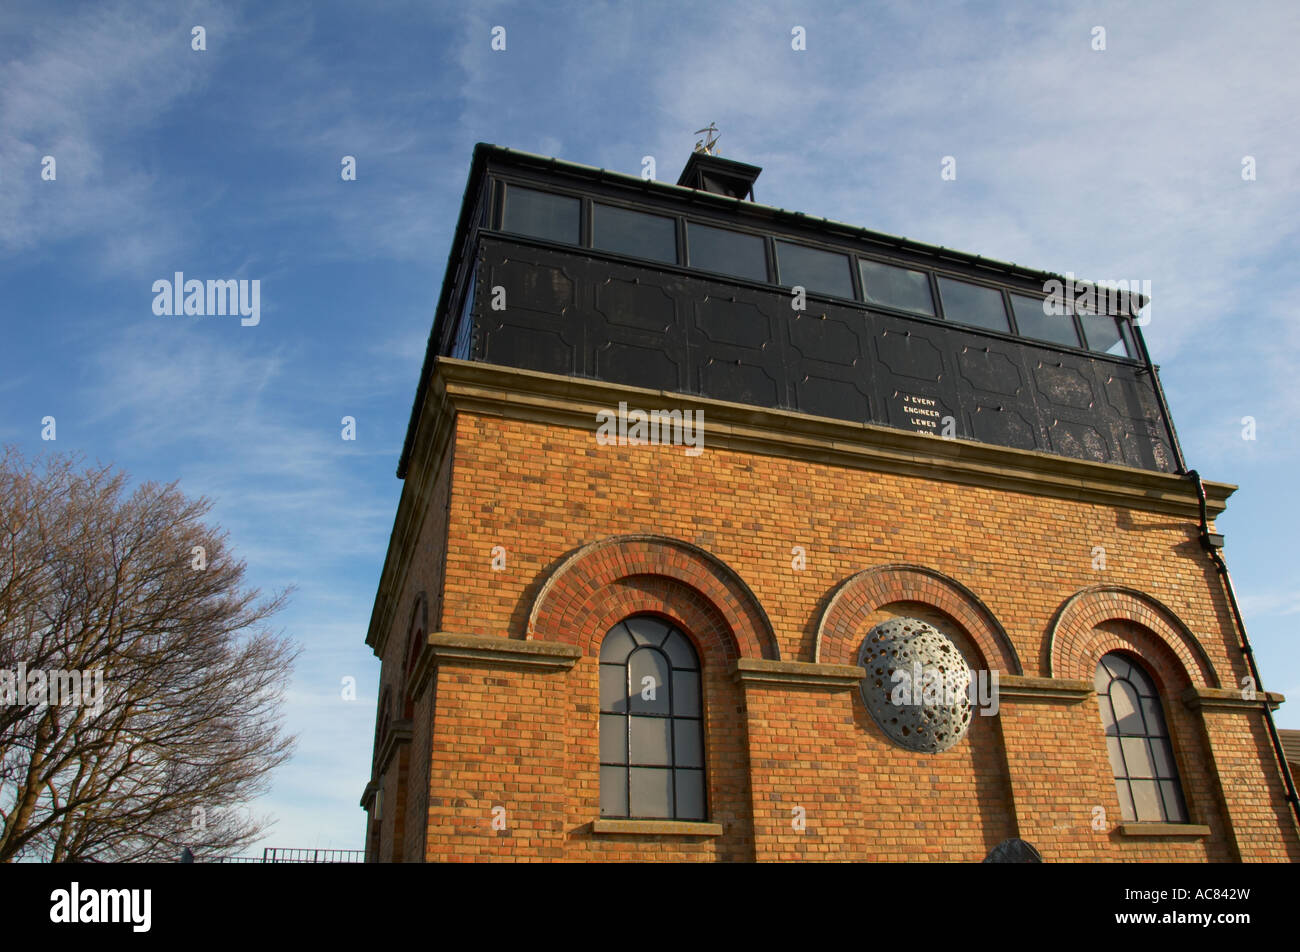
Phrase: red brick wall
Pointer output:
(1007, 562)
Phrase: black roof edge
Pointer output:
(485, 150)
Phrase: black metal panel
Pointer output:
(572, 312)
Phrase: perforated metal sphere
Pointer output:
(928, 722)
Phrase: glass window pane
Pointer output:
(971, 304)
(896, 287)
(650, 740)
(1034, 322)
(1129, 344)
(613, 791)
(686, 743)
(541, 214)
(1146, 801)
(1125, 701)
(727, 252)
(634, 233)
(613, 739)
(690, 795)
(1154, 719)
(1163, 758)
(648, 681)
(1116, 761)
(814, 269)
(1137, 758)
(1117, 666)
(1174, 811)
(1100, 680)
(613, 688)
(1125, 801)
(1102, 334)
(651, 792)
(686, 693)
(680, 651)
(646, 630)
(618, 644)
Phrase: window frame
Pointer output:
(769, 257)
(498, 199)
(671, 717)
(1170, 751)
(849, 260)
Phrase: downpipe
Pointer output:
(1212, 543)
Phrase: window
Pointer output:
(651, 728)
(634, 233)
(1141, 755)
(727, 252)
(973, 304)
(541, 214)
(814, 270)
(1034, 321)
(896, 287)
(1102, 332)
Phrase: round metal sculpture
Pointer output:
(917, 686)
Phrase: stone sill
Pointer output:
(1164, 829)
(656, 828)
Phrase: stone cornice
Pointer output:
(399, 733)
(1221, 699)
(1012, 687)
(368, 794)
(797, 673)
(488, 651)
(574, 401)
(557, 400)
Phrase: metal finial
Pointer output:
(708, 146)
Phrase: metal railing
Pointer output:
(274, 854)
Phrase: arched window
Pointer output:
(1141, 756)
(651, 728)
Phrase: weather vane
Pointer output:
(708, 146)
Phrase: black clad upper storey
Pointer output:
(574, 270)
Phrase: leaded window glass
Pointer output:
(1141, 755)
(651, 723)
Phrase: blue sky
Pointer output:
(1122, 163)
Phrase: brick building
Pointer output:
(599, 646)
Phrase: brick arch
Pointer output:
(1080, 636)
(605, 581)
(840, 629)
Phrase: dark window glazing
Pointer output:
(1102, 334)
(1034, 321)
(541, 214)
(972, 304)
(634, 233)
(902, 288)
(820, 271)
(726, 252)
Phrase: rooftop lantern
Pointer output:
(709, 172)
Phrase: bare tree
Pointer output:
(134, 594)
